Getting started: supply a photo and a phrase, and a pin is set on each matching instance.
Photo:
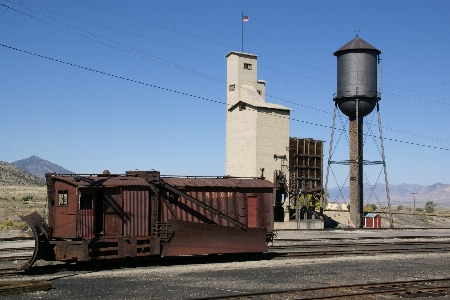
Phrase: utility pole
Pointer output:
(414, 194)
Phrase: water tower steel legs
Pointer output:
(391, 224)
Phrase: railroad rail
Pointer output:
(16, 238)
(16, 249)
(346, 245)
(19, 287)
(434, 248)
(356, 238)
(285, 251)
(14, 258)
(411, 288)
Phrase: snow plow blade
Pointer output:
(42, 247)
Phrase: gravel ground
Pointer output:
(218, 279)
(195, 279)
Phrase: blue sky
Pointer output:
(86, 121)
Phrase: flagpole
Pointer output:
(242, 23)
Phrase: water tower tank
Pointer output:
(357, 77)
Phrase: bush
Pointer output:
(400, 207)
(10, 224)
(370, 207)
(430, 207)
(27, 198)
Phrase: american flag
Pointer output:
(245, 19)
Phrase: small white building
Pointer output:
(255, 130)
(336, 206)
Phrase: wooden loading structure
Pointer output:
(305, 178)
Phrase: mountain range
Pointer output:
(12, 175)
(31, 171)
(39, 167)
(400, 194)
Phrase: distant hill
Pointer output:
(38, 166)
(400, 194)
(12, 175)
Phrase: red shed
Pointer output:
(372, 220)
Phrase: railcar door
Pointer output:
(64, 211)
(252, 211)
(113, 212)
(86, 213)
(98, 211)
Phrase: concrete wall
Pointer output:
(237, 75)
(241, 142)
(272, 137)
(256, 130)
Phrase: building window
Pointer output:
(247, 66)
(259, 92)
(232, 87)
(63, 197)
(86, 201)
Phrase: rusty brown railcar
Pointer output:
(94, 217)
(247, 200)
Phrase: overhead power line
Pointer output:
(262, 55)
(191, 49)
(154, 24)
(112, 75)
(179, 67)
(185, 94)
(111, 28)
(150, 57)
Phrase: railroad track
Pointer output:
(16, 249)
(19, 287)
(412, 288)
(16, 239)
(344, 245)
(14, 258)
(361, 245)
(402, 237)
(351, 252)
(294, 250)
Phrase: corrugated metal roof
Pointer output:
(218, 182)
(370, 215)
(94, 181)
(357, 43)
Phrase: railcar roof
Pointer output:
(218, 182)
(102, 181)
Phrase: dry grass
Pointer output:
(18, 191)
(12, 205)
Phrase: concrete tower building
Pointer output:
(256, 130)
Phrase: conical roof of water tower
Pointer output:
(357, 44)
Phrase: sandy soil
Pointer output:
(399, 220)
